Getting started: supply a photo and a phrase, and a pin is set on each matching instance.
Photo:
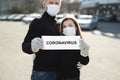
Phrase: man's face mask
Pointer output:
(69, 31)
(53, 9)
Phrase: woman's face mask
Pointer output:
(69, 28)
(53, 9)
(69, 31)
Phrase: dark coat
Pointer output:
(63, 61)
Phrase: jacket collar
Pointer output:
(46, 16)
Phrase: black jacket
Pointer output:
(51, 60)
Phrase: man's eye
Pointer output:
(50, 2)
(57, 3)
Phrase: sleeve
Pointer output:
(84, 60)
(26, 45)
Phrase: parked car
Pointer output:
(10, 17)
(30, 17)
(27, 19)
(87, 22)
(108, 18)
(101, 18)
(18, 17)
(3, 17)
(59, 18)
(118, 18)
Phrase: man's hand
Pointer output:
(36, 44)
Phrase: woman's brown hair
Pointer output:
(78, 31)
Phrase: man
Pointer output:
(45, 64)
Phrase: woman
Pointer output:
(70, 58)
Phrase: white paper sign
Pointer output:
(61, 42)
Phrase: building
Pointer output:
(100, 7)
(71, 1)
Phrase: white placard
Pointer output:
(61, 42)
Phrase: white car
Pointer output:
(87, 22)
(29, 18)
(18, 17)
(10, 17)
(59, 18)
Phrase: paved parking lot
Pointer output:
(104, 52)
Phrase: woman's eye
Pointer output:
(64, 26)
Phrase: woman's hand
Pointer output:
(84, 47)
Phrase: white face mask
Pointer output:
(69, 31)
(53, 9)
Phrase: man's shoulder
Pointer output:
(36, 21)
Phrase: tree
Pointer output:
(14, 9)
(70, 7)
(29, 6)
